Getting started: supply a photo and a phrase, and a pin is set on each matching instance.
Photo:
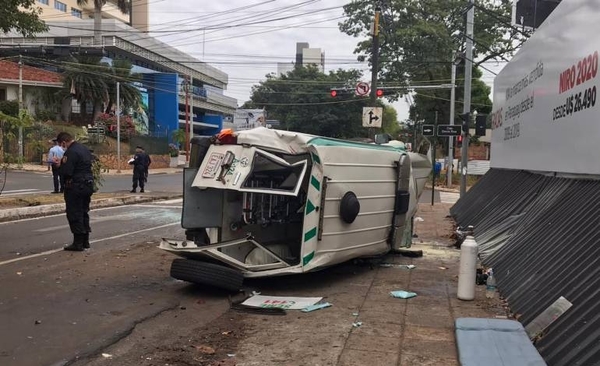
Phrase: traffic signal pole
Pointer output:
(467, 97)
(450, 166)
(374, 62)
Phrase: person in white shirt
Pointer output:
(55, 154)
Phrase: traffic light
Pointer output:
(380, 92)
(338, 92)
(480, 124)
(459, 140)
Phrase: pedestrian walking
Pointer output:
(56, 153)
(141, 161)
(76, 169)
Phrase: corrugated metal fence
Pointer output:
(541, 234)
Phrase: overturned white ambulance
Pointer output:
(265, 202)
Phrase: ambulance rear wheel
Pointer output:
(209, 274)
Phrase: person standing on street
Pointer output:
(141, 161)
(76, 169)
(56, 152)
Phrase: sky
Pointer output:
(248, 52)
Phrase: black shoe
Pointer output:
(74, 248)
(142, 190)
(55, 192)
(86, 241)
(132, 191)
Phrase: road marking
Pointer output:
(93, 220)
(157, 206)
(176, 200)
(48, 252)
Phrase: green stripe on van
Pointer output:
(309, 207)
(315, 158)
(315, 183)
(308, 258)
(310, 234)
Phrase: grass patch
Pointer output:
(45, 199)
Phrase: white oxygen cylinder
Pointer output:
(467, 270)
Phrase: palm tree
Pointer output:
(87, 80)
(130, 95)
(123, 5)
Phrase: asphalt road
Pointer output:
(20, 182)
(57, 306)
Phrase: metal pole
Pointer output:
(451, 139)
(434, 138)
(375, 60)
(118, 112)
(20, 143)
(187, 120)
(191, 108)
(467, 96)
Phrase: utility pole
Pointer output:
(20, 143)
(449, 168)
(191, 133)
(118, 113)
(187, 119)
(434, 143)
(467, 97)
(375, 61)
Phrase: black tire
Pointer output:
(209, 274)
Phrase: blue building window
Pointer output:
(60, 6)
(76, 13)
(45, 2)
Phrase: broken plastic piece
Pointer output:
(401, 294)
(357, 324)
(308, 309)
(106, 355)
(354, 314)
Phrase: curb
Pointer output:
(20, 213)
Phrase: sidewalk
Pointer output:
(125, 171)
(365, 325)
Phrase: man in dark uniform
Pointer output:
(76, 169)
(141, 161)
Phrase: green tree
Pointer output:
(85, 79)
(130, 95)
(123, 5)
(22, 16)
(390, 121)
(301, 101)
(419, 38)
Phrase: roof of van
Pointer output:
(297, 143)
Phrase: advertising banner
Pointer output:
(546, 113)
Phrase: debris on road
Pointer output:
(37, 322)
(254, 310)
(281, 302)
(401, 294)
(419, 219)
(443, 268)
(354, 314)
(207, 350)
(316, 307)
(391, 265)
(19, 273)
(231, 355)
(106, 355)
(357, 324)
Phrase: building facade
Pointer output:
(171, 79)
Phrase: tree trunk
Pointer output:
(98, 26)
(96, 112)
(109, 106)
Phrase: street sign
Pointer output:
(428, 130)
(362, 89)
(372, 116)
(449, 130)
